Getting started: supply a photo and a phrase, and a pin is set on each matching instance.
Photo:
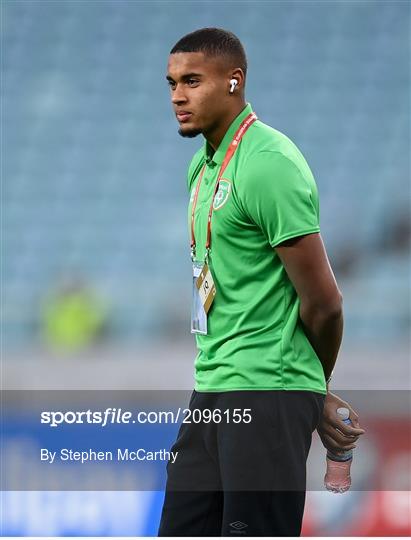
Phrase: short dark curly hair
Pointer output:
(214, 42)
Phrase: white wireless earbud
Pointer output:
(233, 84)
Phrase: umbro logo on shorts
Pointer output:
(238, 527)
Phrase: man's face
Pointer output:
(199, 91)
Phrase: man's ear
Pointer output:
(238, 76)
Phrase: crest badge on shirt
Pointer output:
(223, 192)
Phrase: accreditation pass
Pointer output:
(203, 296)
(206, 287)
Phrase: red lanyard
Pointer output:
(245, 124)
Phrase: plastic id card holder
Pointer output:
(198, 313)
(203, 296)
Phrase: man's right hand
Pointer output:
(335, 435)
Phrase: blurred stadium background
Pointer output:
(94, 206)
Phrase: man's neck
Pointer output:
(216, 135)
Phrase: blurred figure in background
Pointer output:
(73, 317)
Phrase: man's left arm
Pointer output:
(279, 195)
(306, 263)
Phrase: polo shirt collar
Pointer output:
(219, 154)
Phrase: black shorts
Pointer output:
(237, 478)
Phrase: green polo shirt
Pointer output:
(255, 339)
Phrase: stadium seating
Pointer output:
(94, 171)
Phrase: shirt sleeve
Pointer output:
(278, 197)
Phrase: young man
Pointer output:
(267, 311)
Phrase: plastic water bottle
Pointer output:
(337, 478)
